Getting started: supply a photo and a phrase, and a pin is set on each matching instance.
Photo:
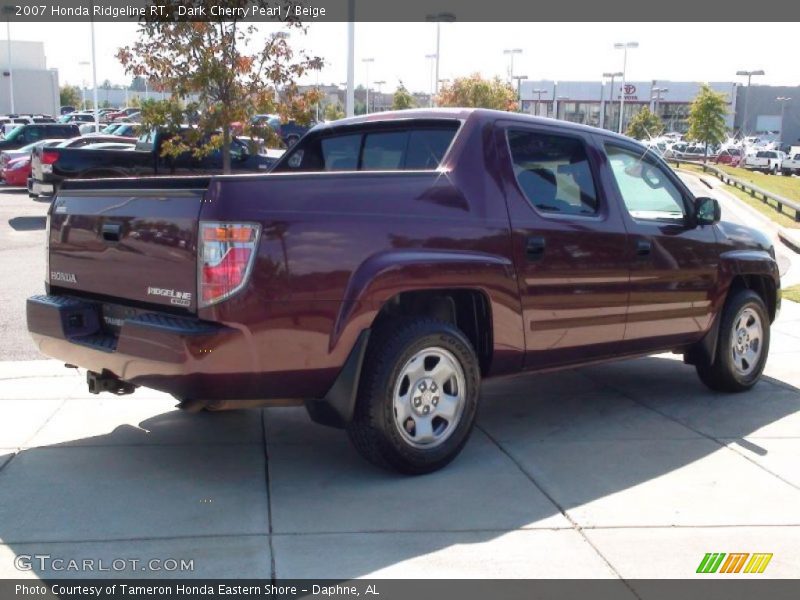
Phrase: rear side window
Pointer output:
(553, 172)
(384, 151)
(340, 153)
(380, 149)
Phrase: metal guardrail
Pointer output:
(749, 188)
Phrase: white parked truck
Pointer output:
(768, 161)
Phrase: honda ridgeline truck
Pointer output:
(389, 263)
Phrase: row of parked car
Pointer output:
(751, 153)
(42, 155)
(289, 132)
(17, 149)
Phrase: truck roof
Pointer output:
(480, 114)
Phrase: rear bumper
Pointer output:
(45, 184)
(39, 188)
(191, 359)
(177, 355)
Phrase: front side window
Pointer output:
(644, 186)
(553, 172)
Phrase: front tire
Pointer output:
(418, 396)
(742, 347)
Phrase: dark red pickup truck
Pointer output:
(388, 263)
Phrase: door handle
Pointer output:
(643, 247)
(111, 231)
(534, 249)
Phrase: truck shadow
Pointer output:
(545, 445)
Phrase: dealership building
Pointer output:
(35, 87)
(758, 110)
(597, 104)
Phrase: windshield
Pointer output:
(14, 134)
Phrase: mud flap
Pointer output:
(336, 408)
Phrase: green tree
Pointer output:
(216, 75)
(402, 99)
(707, 118)
(334, 112)
(474, 91)
(70, 95)
(645, 125)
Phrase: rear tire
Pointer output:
(418, 396)
(742, 347)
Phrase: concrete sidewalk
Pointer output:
(586, 473)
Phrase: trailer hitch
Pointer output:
(106, 382)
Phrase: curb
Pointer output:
(790, 240)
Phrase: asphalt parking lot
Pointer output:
(631, 470)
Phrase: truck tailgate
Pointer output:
(126, 242)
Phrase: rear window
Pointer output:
(764, 154)
(59, 131)
(397, 148)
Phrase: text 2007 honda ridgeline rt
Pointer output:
(389, 262)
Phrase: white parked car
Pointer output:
(768, 161)
(791, 164)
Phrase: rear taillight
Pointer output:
(226, 255)
(49, 156)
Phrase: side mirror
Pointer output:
(707, 211)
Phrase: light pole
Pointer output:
(749, 75)
(10, 65)
(380, 93)
(519, 79)
(94, 81)
(83, 63)
(439, 18)
(624, 47)
(538, 93)
(367, 62)
(350, 91)
(559, 99)
(434, 58)
(783, 100)
(611, 76)
(657, 98)
(511, 52)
